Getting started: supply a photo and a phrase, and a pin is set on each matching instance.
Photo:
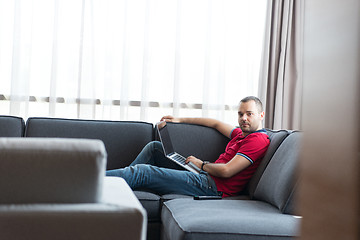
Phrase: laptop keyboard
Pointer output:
(181, 160)
(178, 158)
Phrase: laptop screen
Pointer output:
(165, 138)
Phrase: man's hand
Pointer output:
(169, 118)
(197, 162)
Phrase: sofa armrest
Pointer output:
(51, 170)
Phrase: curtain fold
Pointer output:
(280, 84)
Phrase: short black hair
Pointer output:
(256, 100)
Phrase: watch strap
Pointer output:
(203, 164)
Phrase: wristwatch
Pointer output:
(203, 164)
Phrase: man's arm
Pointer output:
(222, 127)
(224, 170)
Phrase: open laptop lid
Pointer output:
(169, 149)
(165, 138)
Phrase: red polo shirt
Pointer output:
(253, 148)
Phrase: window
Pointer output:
(129, 60)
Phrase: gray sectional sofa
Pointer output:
(266, 210)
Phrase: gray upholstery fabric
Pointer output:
(290, 205)
(151, 202)
(276, 138)
(278, 180)
(118, 215)
(199, 141)
(168, 197)
(153, 205)
(123, 140)
(11, 126)
(226, 219)
(44, 170)
(67, 221)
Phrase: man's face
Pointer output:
(249, 117)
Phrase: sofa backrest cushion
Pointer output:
(276, 138)
(123, 140)
(48, 170)
(11, 126)
(202, 142)
(277, 183)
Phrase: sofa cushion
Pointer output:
(202, 142)
(151, 202)
(168, 197)
(11, 126)
(276, 138)
(277, 183)
(123, 140)
(226, 219)
(51, 170)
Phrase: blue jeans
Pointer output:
(145, 173)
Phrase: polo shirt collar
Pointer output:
(258, 131)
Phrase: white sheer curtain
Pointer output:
(129, 59)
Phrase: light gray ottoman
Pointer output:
(56, 189)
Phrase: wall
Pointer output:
(329, 192)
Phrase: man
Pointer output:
(227, 176)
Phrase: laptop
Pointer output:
(169, 149)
